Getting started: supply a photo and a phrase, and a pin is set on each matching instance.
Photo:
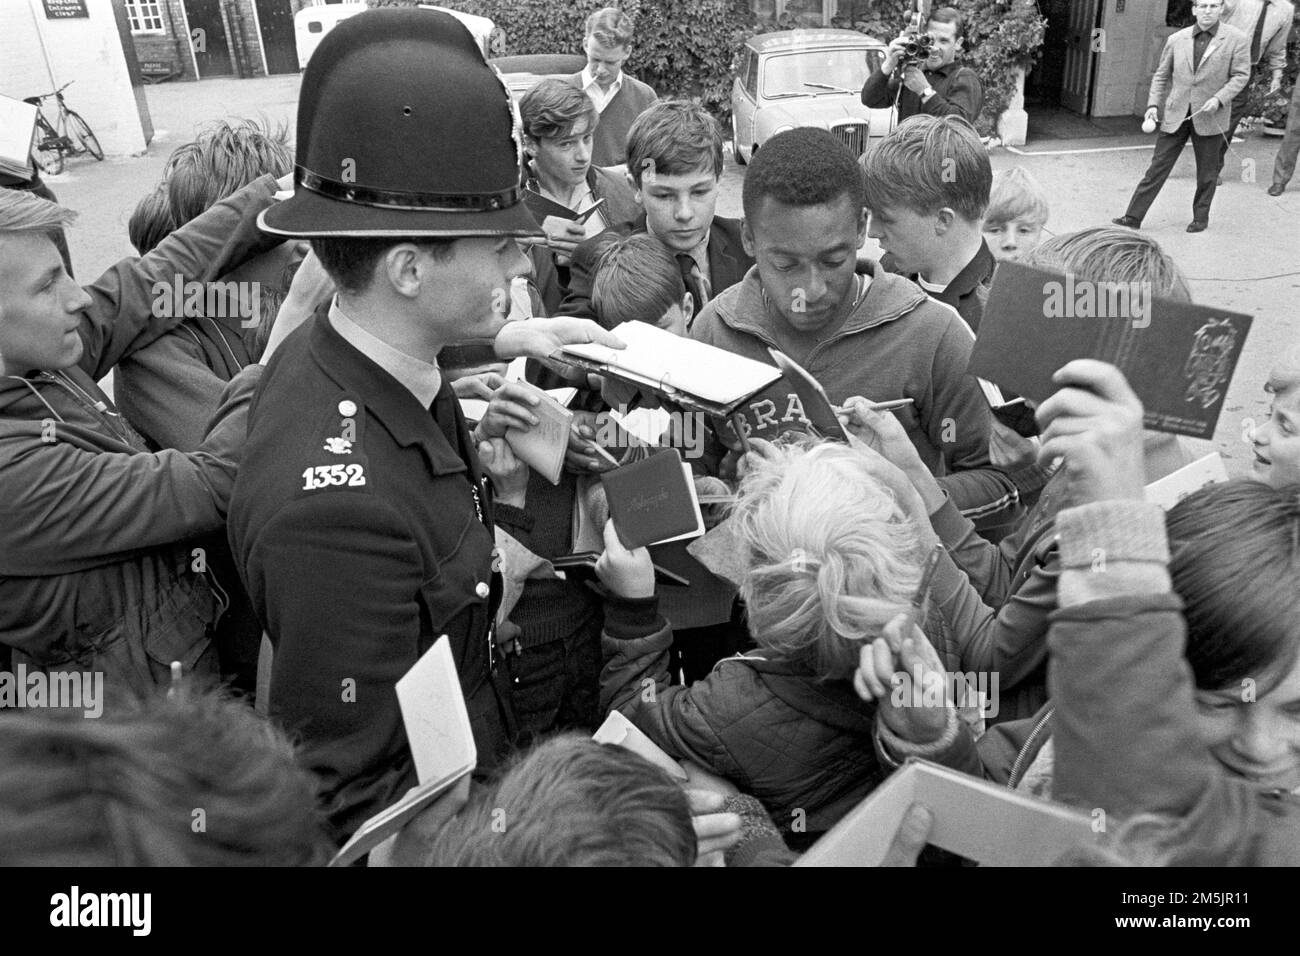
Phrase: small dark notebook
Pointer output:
(653, 500)
(1178, 357)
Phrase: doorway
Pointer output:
(211, 48)
(279, 44)
(1064, 75)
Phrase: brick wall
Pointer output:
(172, 47)
(40, 54)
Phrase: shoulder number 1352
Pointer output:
(326, 476)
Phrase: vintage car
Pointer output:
(310, 25)
(806, 78)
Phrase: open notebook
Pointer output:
(687, 372)
(441, 740)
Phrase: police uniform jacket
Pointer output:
(363, 531)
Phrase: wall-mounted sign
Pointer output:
(65, 9)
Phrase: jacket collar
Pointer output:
(888, 297)
(385, 399)
(974, 274)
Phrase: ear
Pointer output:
(943, 220)
(530, 145)
(636, 190)
(747, 239)
(862, 227)
(404, 268)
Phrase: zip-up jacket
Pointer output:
(897, 343)
(96, 565)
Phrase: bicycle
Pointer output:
(53, 142)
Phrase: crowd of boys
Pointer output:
(297, 500)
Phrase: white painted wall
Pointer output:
(38, 55)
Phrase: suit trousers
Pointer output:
(1168, 146)
(1284, 164)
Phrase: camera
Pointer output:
(917, 49)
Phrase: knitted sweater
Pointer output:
(609, 143)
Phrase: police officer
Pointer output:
(361, 520)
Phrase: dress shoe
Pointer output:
(1276, 189)
(1128, 222)
(1196, 225)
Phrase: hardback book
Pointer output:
(1179, 358)
(653, 501)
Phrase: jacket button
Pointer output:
(347, 408)
(482, 589)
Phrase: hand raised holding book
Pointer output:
(626, 574)
(1094, 423)
(542, 338)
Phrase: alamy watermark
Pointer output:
(214, 300)
(1085, 299)
(965, 690)
(70, 690)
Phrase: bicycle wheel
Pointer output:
(79, 128)
(47, 153)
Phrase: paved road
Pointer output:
(1249, 260)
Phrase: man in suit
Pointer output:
(1284, 164)
(619, 98)
(1268, 25)
(361, 520)
(1202, 68)
(674, 165)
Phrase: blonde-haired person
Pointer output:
(831, 555)
(1017, 213)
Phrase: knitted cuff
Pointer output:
(895, 749)
(627, 618)
(513, 517)
(758, 834)
(1094, 534)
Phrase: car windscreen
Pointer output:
(810, 72)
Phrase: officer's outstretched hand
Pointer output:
(509, 474)
(627, 574)
(542, 338)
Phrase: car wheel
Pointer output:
(735, 143)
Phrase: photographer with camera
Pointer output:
(924, 66)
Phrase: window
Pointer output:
(145, 16)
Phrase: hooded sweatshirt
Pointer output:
(897, 343)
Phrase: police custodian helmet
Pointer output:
(403, 130)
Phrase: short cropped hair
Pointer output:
(802, 167)
(674, 137)
(611, 27)
(226, 157)
(351, 260)
(570, 801)
(195, 780)
(1112, 254)
(23, 212)
(830, 555)
(553, 107)
(1284, 376)
(949, 15)
(637, 278)
(1234, 560)
(927, 163)
(151, 221)
(1015, 195)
